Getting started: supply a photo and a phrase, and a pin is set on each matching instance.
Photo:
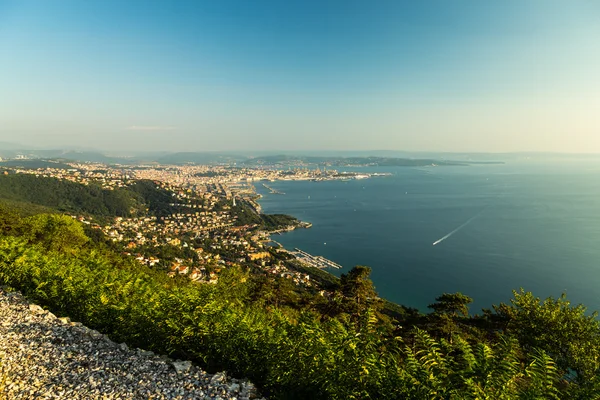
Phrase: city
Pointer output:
(205, 234)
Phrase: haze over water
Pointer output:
(532, 225)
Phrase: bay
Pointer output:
(520, 224)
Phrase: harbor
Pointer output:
(308, 259)
(271, 190)
(314, 261)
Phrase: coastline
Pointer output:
(318, 268)
(304, 258)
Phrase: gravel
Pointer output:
(44, 357)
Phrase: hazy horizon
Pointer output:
(7, 148)
(432, 77)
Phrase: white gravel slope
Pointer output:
(43, 357)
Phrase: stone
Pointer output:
(145, 353)
(182, 366)
(36, 309)
(62, 362)
(218, 378)
(95, 334)
(247, 388)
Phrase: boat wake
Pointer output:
(440, 240)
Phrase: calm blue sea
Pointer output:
(522, 224)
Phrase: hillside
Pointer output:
(34, 164)
(297, 343)
(66, 196)
(140, 197)
(39, 352)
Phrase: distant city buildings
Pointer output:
(204, 232)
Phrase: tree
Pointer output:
(55, 232)
(565, 332)
(9, 221)
(358, 288)
(452, 303)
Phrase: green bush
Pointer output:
(294, 350)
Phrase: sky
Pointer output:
(456, 76)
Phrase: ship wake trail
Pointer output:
(440, 240)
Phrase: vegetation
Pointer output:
(35, 164)
(159, 201)
(143, 197)
(246, 215)
(277, 221)
(299, 344)
(66, 196)
(323, 278)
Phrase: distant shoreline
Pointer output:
(308, 259)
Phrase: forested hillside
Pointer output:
(67, 196)
(141, 197)
(158, 201)
(297, 343)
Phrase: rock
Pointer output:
(247, 388)
(16, 296)
(94, 334)
(145, 353)
(218, 378)
(48, 358)
(182, 366)
(36, 309)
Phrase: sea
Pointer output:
(482, 230)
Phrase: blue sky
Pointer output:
(266, 75)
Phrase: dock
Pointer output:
(314, 261)
(306, 258)
(271, 190)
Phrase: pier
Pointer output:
(306, 258)
(314, 261)
(271, 190)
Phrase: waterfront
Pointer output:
(530, 225)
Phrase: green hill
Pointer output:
(294, 342)
(298, 344)
(34, 164)
(66, 196)
(92, 199)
